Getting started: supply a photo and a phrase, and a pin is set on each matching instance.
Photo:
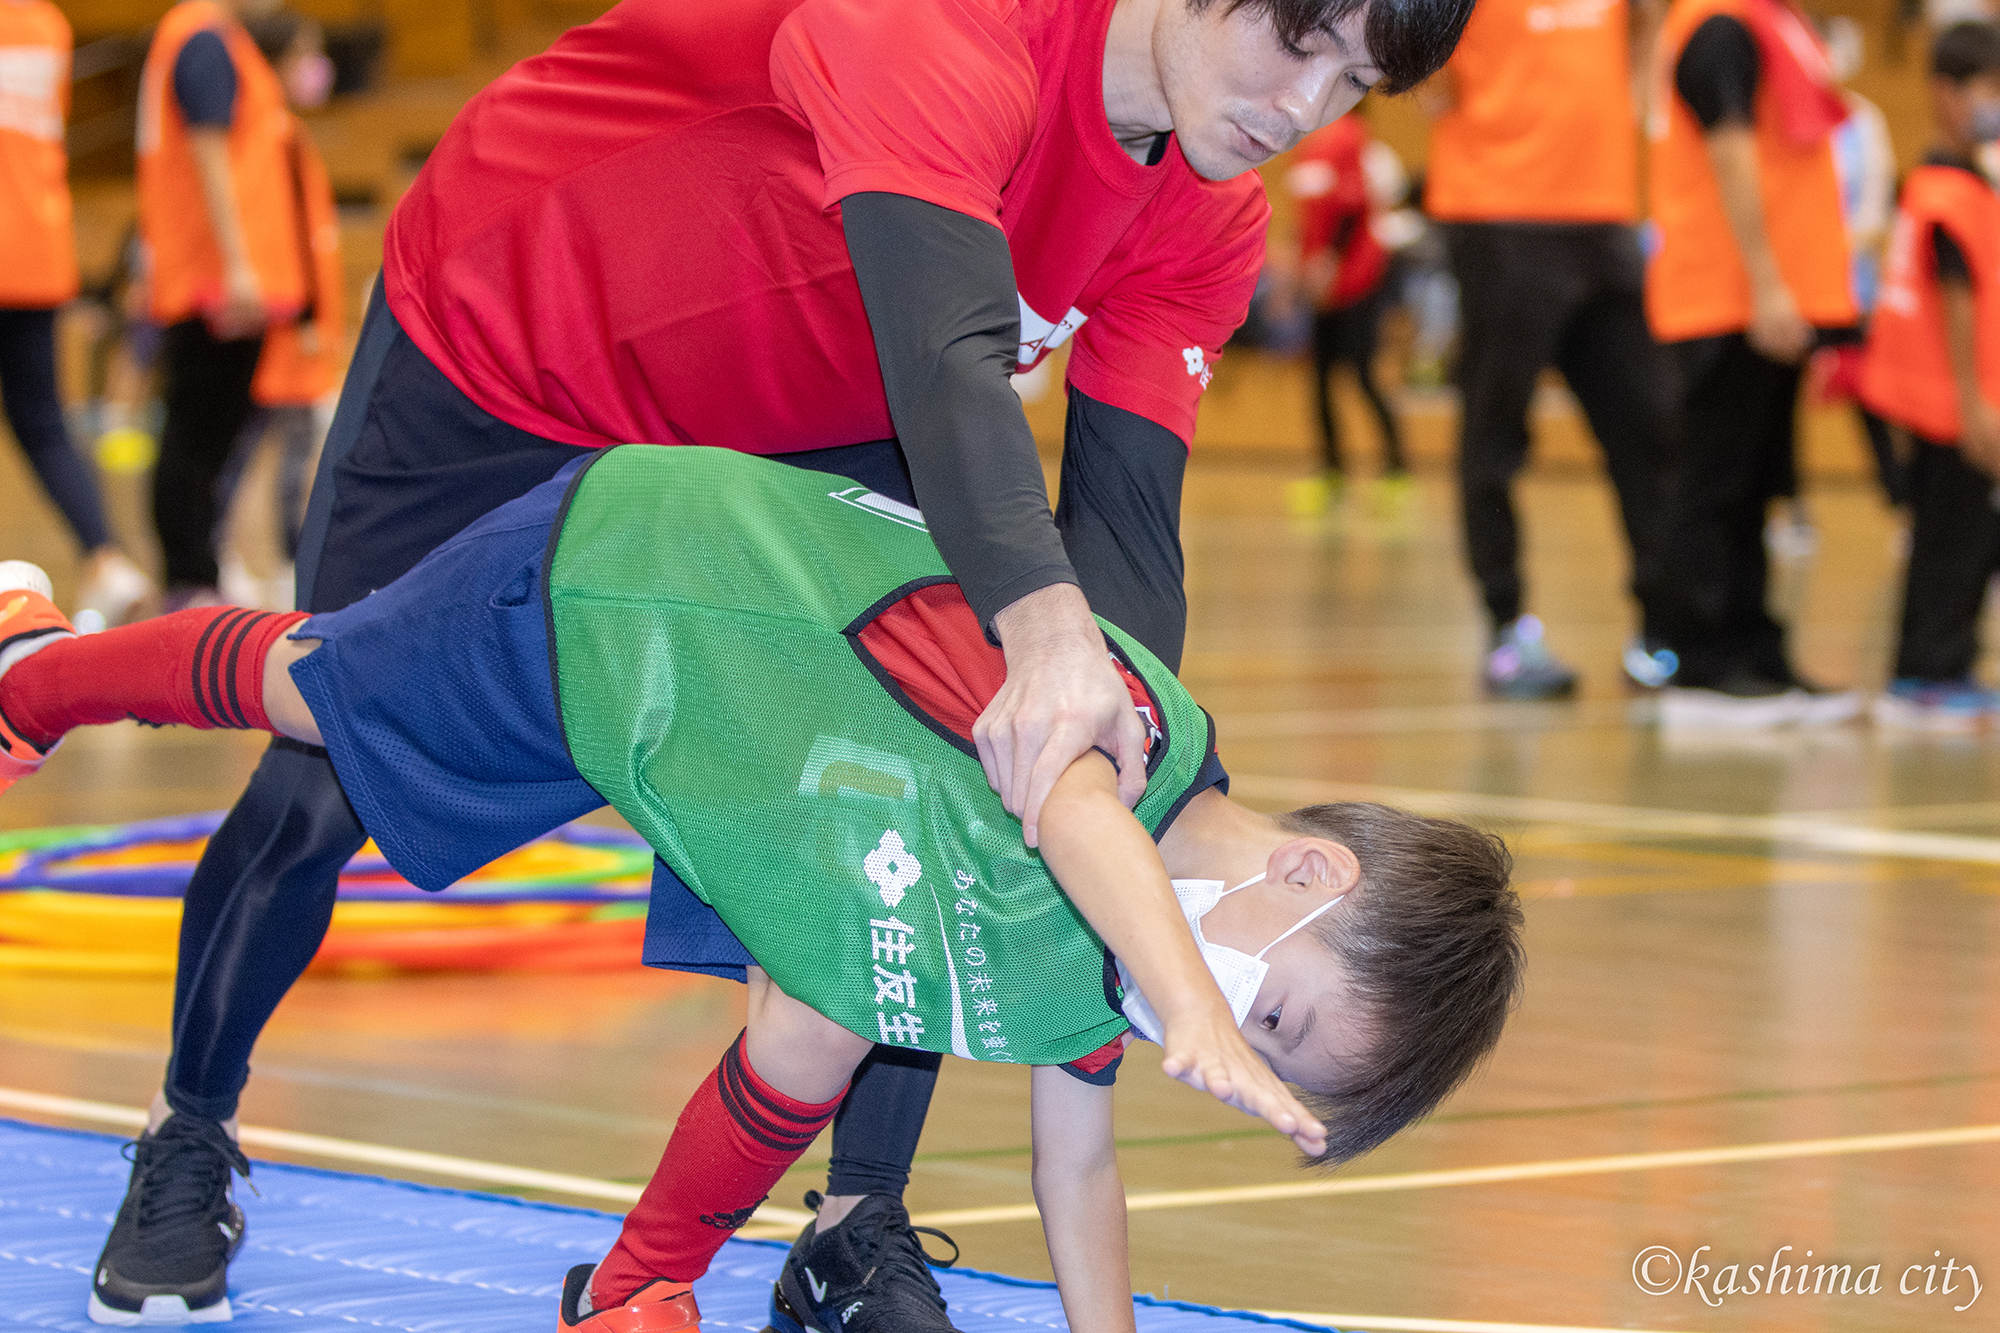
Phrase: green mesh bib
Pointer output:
(703, 605)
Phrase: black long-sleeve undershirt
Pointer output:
(941, 299)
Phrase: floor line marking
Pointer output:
(497, 1173)
(372, 1154)
(1815, 833)
(1390, 1323)
(1490, 1175)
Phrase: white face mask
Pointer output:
(1238, 974)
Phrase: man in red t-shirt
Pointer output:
(828, 230)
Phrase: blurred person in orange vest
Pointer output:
(1342, 272)
(1533, 173)
(38, 275)
(304, 358)
(1753, 266)
(1933, 366)
(219, 217)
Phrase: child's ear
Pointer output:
(1307, 862)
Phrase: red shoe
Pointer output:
(29, 622)
(658, 1307)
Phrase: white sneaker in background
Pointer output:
(1693, 708)
(113, 590)
(237, 585)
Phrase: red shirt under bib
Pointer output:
(636, 236)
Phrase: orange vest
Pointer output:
(39, 247)
(184, 264)
(287, 376)
(1543, 129)
(1696, 285)
(1906, 372)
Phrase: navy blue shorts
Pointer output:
(435, 699)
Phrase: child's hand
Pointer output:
(1207, 1053)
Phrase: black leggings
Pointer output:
(1350, 336)
(207, 389)
(34, 410)
(408, 462)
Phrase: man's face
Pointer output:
(1239, 96)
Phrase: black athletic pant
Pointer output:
(1739, 411)
(1954, 550)
(1349, 336)
(206, 383)
(1568, 295)
(34, 410)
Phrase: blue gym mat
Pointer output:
(327, 1250)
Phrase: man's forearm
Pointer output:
(939, 290)
(1120, 515)
(1732, 153)
(210, 147)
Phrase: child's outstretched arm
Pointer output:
(1109, 866)
(1082, 1201)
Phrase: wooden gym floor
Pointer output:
(1750, 957)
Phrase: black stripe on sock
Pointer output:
(218, 684)
(743, 1102)
(233, 697)
(782, 1118)
(200, 653)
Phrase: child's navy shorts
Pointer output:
(436, 702)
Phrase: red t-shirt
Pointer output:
(1327, 179)
(636, 235)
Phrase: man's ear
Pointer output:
(1310, 862)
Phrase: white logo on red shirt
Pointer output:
(1196, 365)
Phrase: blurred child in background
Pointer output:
(218, 215)
(38, 273)
(304, 357)
(1342, 267)
(1933, 365)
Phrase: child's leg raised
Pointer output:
(207, 667)
(755, 1115)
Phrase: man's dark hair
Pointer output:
(1966, 50)
(1408, 40)
(1432, 952)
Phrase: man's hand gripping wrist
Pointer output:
(1061, 698)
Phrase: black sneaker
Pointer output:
(167, 1261)
(869, 1274)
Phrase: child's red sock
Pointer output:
(202, 667)
(737, 1135)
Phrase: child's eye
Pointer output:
(1271, 1019)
